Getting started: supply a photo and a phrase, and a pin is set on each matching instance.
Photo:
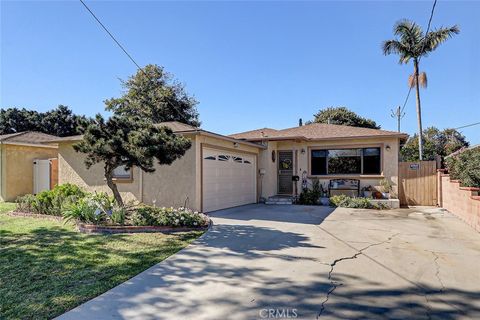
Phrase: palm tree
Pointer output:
(412, 44)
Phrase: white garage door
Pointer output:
(229, 179)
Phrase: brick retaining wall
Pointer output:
(462, 202)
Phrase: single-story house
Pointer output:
(18, 151)
(221, 171)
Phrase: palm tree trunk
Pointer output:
(419, 111)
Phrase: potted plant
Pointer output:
(367, 191)
(387, 187)
(324, 200)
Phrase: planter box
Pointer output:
(391, 203)
(92, 228)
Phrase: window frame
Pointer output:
(123, 178)
(337, 147)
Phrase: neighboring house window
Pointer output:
(122, 173)
(345, 161)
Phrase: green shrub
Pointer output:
(51, 202)
(181, 217)
(311, 196)
(348, 202)
(85, 210)
(118, 216)
(465, 167)
(96, 208)
(26, 203)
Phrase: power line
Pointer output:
(419, 58)
(111, 35)
(468, 125)
(128, 55)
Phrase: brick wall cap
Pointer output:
(470, 188)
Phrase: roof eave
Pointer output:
(401, 136)
(192, 132)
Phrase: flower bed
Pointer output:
(360, 203)
(97, 212)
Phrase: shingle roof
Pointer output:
(253, 134)
(176, 126)
(31, 137)
(316, 131)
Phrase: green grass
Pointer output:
(47, 268)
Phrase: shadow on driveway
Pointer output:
(260, 257)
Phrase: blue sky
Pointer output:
(250, 64)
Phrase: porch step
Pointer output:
(279, 200)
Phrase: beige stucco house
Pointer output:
(225, 171)
(17, 154)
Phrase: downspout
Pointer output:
(140, 185)
(1, 171)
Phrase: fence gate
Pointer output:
(417, 183)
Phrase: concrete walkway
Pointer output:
(284, 262)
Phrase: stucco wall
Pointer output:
(269, 180)
(17, 168)
(167, 186)
(464, 203)
(172, 185)
(389, 161)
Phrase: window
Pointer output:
(122, 173)
(210, 158)
(371, 161)
(319, 162)
(345, 161)
(223, 157)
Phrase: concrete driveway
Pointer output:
(287, 262)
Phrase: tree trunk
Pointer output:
(419, 111)
(113, 187)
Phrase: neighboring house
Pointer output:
(17, 154)
(225, 171)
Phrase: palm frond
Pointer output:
(437, 37)
(396, 47)
(391, 46)
(411, 80)
(409, 32)
(422, 80)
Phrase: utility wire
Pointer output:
(419, 58)
(111, 35)
(468, 125)
(125, 51)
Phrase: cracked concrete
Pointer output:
(338, 264)
(335, 284)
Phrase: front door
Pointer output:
(285, 172)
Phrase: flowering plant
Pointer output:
(175, 217)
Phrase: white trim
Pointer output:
(30, 145)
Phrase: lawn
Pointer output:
(47, 268)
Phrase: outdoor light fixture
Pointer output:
(235, 144)
(302, 151)
(387, 147)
